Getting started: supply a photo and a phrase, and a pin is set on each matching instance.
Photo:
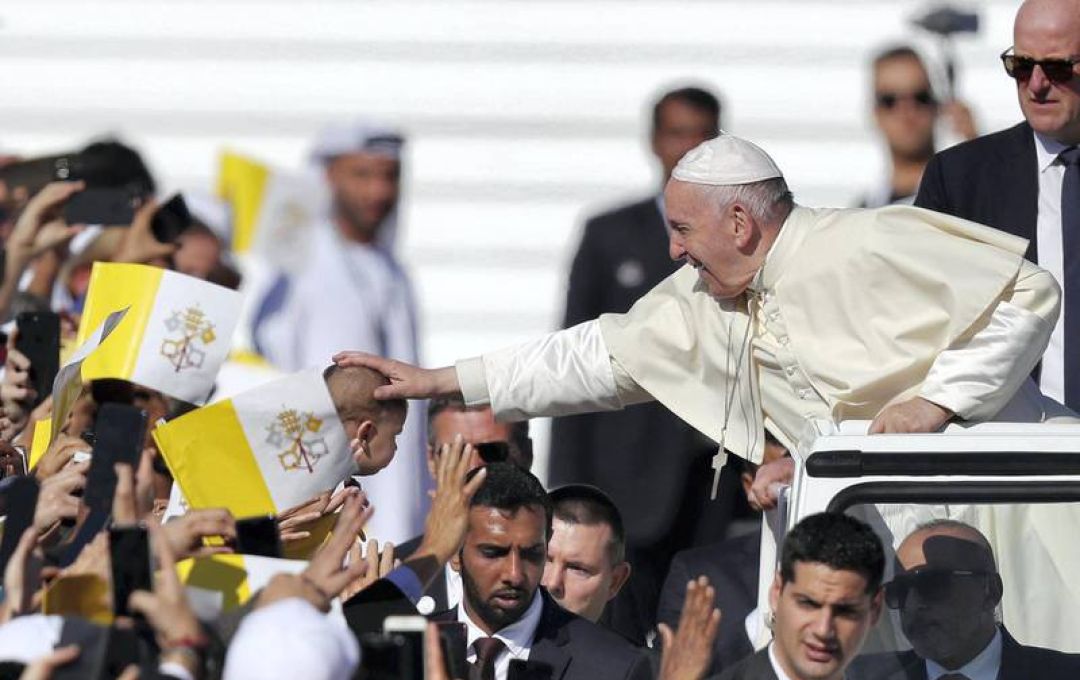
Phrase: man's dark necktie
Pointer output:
(1070, 242)
(487, 650)
(953, 676)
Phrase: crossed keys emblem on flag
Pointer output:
(191, 326)
(299, 433)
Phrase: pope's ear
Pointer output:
(742, 225)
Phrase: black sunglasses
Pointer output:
(933, 585)
(889, 100)
(1056, 70)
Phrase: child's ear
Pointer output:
(366, 431)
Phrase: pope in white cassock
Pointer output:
(784, 313)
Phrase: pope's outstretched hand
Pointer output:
(406, 381)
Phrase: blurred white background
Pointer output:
(523, 116)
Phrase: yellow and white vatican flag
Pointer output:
(174, 334)
(219, 583)
(273, 211)
(261, 451)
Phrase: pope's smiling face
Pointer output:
(723, 245)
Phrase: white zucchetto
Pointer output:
(726, 160)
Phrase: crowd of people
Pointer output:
(710, 319)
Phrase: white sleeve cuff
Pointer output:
(473, 381)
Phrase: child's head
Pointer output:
(371, 425)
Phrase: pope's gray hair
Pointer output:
(768, 201)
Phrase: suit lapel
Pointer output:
(1017, 191)
(550, 640)
(1013, 663)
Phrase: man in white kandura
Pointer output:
(783, 313)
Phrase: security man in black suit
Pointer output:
(1026, 180)
(947, 589)
(825, 598)
(507, 614)
(652, 464)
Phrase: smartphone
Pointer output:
(93, 641)
(39, 341)
(109, 206)
(383, 657)
(454, 642)
(411, 629)
(520, 669)
(258, 536)
(119, 434)
(170, 220)
(18, 500)
(129, 552)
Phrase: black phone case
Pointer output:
(129, 552)
(18, 500)
(258, 536)
(119, 433)
(39, 341)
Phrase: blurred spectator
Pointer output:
(825, 599)
(648, 461)
(947, 590)
(586, 556)
(506, 612)
(449, 419)
(732, 567)
(905, 113)
(354, 293)
(1025, 180)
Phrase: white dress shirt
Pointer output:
(777, 668)
(985, 666)
(518, 636)
(1051, 256)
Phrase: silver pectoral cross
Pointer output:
(719, 460)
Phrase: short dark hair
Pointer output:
(839, 542)
(109, 162)
(695, 97)
(588, 505)
(519, 430)
(508, 487)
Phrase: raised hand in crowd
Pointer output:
(448, 519)
(379, 564)
(43, 668)
(137, 243)
(58, 497)
(327, 575)
(178, 632)
(22, 579)
(294, 524)
(185, 534)
(24, 436)
(688, 650)
(16, 392)
(59, 453)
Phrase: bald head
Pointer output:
(353, 390)
(947, 590)
(1049, 29)
(973, 547)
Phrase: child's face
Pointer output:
(375, 442)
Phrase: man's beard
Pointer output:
(494, 616)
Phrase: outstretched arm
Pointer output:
(406, 381)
